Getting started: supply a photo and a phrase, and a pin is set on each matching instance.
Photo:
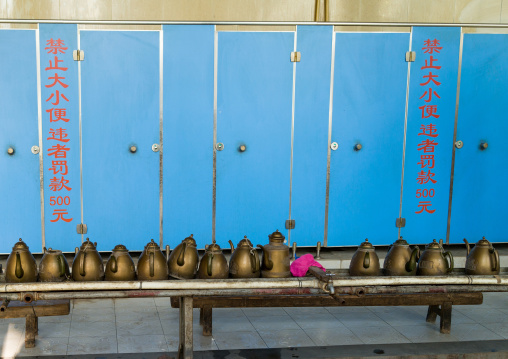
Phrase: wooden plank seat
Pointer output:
(32, 311)
(439, 303)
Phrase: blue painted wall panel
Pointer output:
(310, 150)
(480, 193)
(188, 133)
(432, 95)
(20, 204)
(60, 134)
(120, 109)
(368, 108)
(255, 79)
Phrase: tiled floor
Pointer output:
(151, 325)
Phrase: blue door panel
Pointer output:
(60, 135)
(120, 109)
(369, 95)
(432, 97)
(20, 204)
(254, 106)
(480, 193)
(188, 133)
(308, 195)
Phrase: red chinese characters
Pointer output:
(428, 129)
(59, 147)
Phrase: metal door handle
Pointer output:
(358, 147)
(484, 145)
(133, 149)
(10, 151)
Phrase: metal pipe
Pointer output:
(195, 285)
(263, 23)
(421, 280)
(156, 293)
(4, 305)
(317, 7)
(263, 283)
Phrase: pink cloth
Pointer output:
(300, 266)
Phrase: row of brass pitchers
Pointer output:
(401, 260)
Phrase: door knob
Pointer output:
(334, 146)
(10, 151)
(133, 149)
(219, 146)
(242, 148)
(459, 144)
(484, 145)
(358, 147)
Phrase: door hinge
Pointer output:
(296, 56)
(290, 224)
(81, 228)
(78, 55)
(400, 222)
(410, 56)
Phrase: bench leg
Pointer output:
(207, 320)
(432, 313)
(185, 348)
(446, 318)
(31, 331)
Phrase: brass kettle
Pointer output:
(213, 265)
(120, 265)
(244, 261)
(483, 259)
(21, 266)
(152, 263)
(433, 260)
(53, 266)
(365, 261)
(184, 260)
(276, 257)
(401, 260)
(87, 264)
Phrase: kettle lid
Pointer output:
(190, 241)
(483, 242)
(245, 242)
(434, 245)
(366, 244)
(214, 247)
(51, 251)
(120, 248)
(20, 245)
(88, 245)
(276, 237)
(400, 242)
(151, 245)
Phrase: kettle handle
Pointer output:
(495, 255)
(449, 255)
(266, 258)
(253, 261)
(82, 264)
(181, 260)
(209, 266)
(415, 256)
(114, 264)
(19, 272)
(152, 263)
(61, 265)
(366, 260)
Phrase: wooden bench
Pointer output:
(32, 311)
(439, 303)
